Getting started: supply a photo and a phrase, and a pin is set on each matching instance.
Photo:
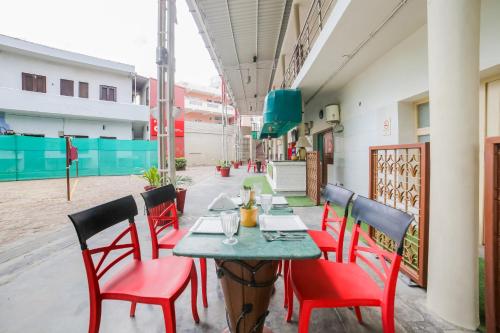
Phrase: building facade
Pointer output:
(53, 93)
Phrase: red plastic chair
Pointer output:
(162, 215)
(325, 284)
(158, 281)
(332, 222)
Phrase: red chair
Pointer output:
(325, 284)
(158, 281)
(162, 214)
(332, 222)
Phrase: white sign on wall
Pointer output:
(386, 130)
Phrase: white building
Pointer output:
(51, 92)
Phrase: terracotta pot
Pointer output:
(236, 165)
(224, 172)
(249, 217)
(241, 163)
(149, 187)
(217, 167)
(180, 199)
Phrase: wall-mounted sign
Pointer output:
(386, 131)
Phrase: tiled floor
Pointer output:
(43, 287)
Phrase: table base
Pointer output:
(247, 287)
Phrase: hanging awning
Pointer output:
(282, 112)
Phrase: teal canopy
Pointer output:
(282, 112)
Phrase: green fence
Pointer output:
(23, 157)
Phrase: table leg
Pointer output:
(247, 288)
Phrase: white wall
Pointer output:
(13, 64)
(388, 89)
(50, 127)
(203, 143)
(368, 100)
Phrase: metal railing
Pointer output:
(316, 17)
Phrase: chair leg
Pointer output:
(357, 310)
(286, 281)
(325, 254)
(289, 297)
(194, 294)
(203, 268)
(95, 316)
(388, 319)
(305, 314)
(169, 317)
(132, 308)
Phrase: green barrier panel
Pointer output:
(23, 158)
(8, 166)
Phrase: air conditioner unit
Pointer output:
(332, 114)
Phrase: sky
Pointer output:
(118, 30)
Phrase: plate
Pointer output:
(209, 225)
(281, 223)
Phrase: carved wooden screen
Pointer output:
(492, 233)
(313, 176)
(399, 177)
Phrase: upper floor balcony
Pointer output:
(206, 106)
(338, 39)
(36, 103)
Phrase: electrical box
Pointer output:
(332, 114)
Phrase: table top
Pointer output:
(251, 246)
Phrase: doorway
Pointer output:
(325, 149)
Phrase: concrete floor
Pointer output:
(43, 286)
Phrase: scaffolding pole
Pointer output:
(171, 90)
(162, 64)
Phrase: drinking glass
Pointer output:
(245, 196)
(229, 222)
(257, 189)
(266, 201)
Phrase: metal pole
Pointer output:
(171, 90)
(161, 61)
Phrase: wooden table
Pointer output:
(247, 271)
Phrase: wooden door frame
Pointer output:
(322, 133)
(491, 254)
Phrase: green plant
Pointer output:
(152, 176)
(225, 164)
(247, 201)
(180, 163)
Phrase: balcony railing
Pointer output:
(314, 23)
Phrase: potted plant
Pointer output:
(236, 164)
(224, 169)
(180, 187)
(180, 163)
(241, 163)
(248, 210)
(153, 177)
(218, 166)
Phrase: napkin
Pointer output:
(222, 202)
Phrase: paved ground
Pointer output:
(37, 207)
(43, 286)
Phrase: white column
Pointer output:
(453, 40)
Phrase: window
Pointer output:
(83, 89)
(107, 93)
(67, 87)
(423, 122)
(33, 82)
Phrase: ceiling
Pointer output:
(244, 39)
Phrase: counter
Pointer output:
(287, 176)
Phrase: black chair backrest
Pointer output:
(158, 196)
(94, 220)
(391, 221)
(339, 196)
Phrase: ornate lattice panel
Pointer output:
(313, 174)
(399, 177)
